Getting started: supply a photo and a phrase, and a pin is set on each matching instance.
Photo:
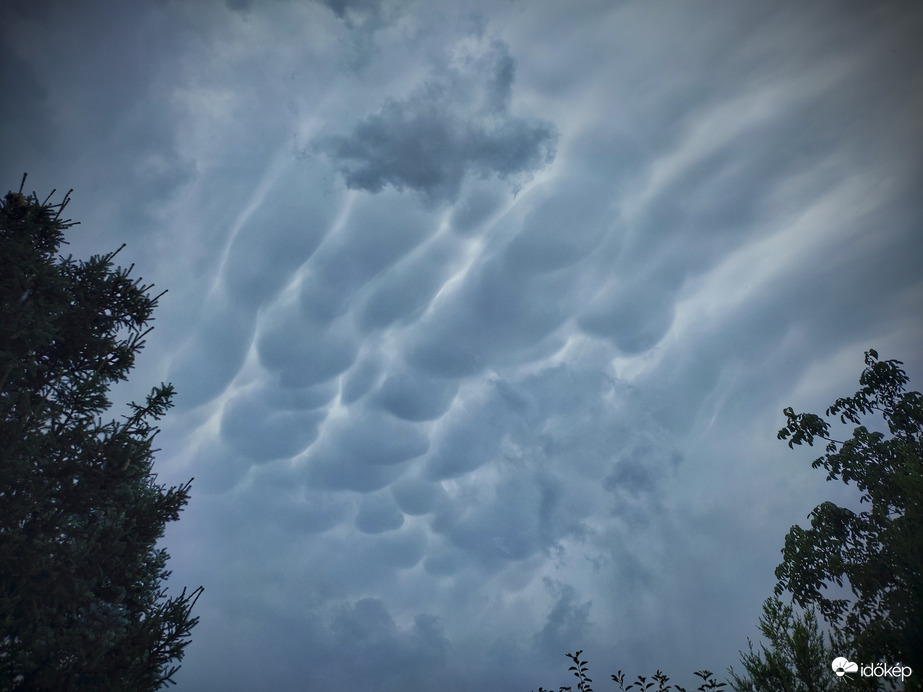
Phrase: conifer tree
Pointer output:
(83, 602)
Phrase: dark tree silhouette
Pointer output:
(877, 553)
(82, 598)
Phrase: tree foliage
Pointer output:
(658, 682)
(82, 600)
(877, 553)
(795, 655)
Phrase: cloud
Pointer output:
(378, 513)
(415, 397)
(491, 318)
(512, 389)
(416, 496)
(457, 124)
(302, 351)
(567, 620)
(262, 432)
(403, 291)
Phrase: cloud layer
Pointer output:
(481, 319)
(455, 125)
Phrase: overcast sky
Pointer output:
(482, 314)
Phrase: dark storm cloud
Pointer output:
(302, 351)
(415, 397)
(456, 124)
(367, 628)
(415, 496)
(567, 620)
(377, 438)
(475, 208)
(262, 433)
(360, 379)
(635, 316)
(364, 450)
(341, 7)
(276, 238)
(492, 318)
(378, 513)
(441, 438)
(96, 109)
(404, 290)
(224, 333)
(369, 243)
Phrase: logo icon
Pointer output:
(842, 666)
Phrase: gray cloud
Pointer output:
(378, 513)
(567, 620)
(302, 351)
(415, 397)
(458, 123)
(262, 433)
(416, 496)
(441, 438)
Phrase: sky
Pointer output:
(482, 314)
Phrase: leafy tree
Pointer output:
(796, 655)
(877, 553)
(82, 601)
(642, 684)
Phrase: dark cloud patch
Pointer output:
(416, 496)
(331, 468)
(369, 243)
(378, 439)
(498, 526)
(633, 473)
(219, 468)
(567, 621)
(446, 562)
(364, 451)
(272, 497)
(302, 352)
(394, 549)
(277, 238)
(262, 433)
(415, 396)
(493, 318)
(378, 513)
(458, 123)
(407, 287)
(387, 656)
(223, 337)
(562, 227)
(366, 619)
(25, 117)
(360, 379)
(468, 442)
(635, 315)
(341, 8)
(475, 208)
(298, 398)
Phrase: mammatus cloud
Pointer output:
(458, 123)
(512, 389)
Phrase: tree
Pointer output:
(877, 553)
(642, 684)
(795, 655)
(82, 598)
